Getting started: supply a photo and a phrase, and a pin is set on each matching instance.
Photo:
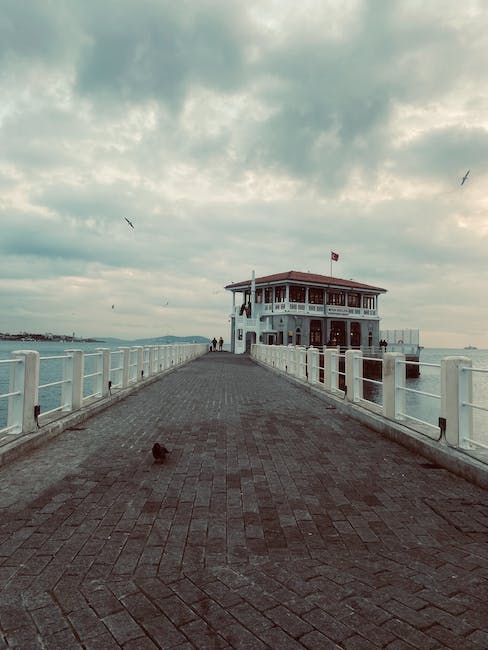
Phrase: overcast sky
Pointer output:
(240, 135)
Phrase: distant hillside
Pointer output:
(160, 340)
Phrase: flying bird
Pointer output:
(159, 452)
(129, 222)
(465, 177)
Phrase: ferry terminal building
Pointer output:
(303, 309)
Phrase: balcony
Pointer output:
(305, 309)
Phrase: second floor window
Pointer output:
(369, 302)
(280, 294)
(268, 294)
(315, 296)
(336, 298)
(297, 293)
(354, 300)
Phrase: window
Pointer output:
(268, 294)
(354, 300)
(336, 298)
(369, 302)
(297, 293)
(280, 294)
(315, 296)
(259, 296)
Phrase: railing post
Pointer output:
(125, 366)
(105, 371)
(140, 363)
(354, 375)
(24, 378)
(394, 396)
(456, 391)
(152, 351)
(73, 369)
(301, 358)
(330, 369)
(313, 365)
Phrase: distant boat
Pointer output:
(470, 347)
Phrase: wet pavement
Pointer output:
(274, 522)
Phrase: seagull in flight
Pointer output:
(129, 222)
(465, 177)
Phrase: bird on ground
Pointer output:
(159, 452)
(465, 177)
(129, 222)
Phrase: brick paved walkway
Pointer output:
(274, 522)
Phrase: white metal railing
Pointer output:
(343, 374)
(478, 410)
(59, 385)
(43, 387)
(407, 413)
(12, 396)
(375, 393)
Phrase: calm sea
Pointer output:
(422, 407)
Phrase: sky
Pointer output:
(239, 135)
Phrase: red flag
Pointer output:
(334, 256)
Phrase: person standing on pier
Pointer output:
(214, 343)
(221, 343)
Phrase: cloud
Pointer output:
(152, 50)
(239, 136)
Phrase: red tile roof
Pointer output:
(307, 278)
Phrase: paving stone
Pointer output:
(123, 627)
(86, 623)
(202, 636)
(288, 621)
(162, 631)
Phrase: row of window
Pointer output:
(298, 293)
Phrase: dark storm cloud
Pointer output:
(333, 100)
(156, 49)
(33, 31)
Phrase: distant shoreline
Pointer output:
(46, 339)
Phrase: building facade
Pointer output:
(303, 309)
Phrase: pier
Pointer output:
(278, 520)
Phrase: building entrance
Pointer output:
(316, 333)
(338, 333)
(355, 335)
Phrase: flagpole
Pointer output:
(330, 263)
